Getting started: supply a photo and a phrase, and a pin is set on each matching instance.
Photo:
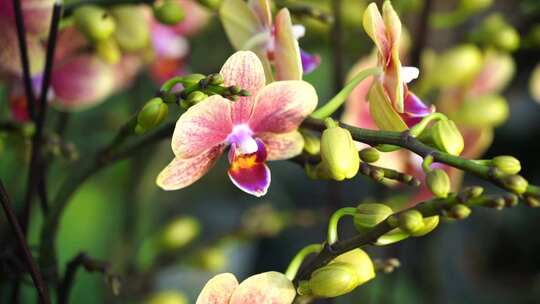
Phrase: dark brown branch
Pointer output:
(37, 278)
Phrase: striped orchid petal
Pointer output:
(282, 146)
(264, 288)
(218, 290)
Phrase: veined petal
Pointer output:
(239, 21)
(265, 288)
(249, 172)
(202, 126)
(182, 172)
(282, 146)
(81, 82)
(286, 51)
(281, 106)
(218, 290)
(244, 69)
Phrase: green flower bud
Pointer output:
(180, 232)
(132, 31)
(94, 22)
(457, 66)
(370, 215)
(168, 12)
(532, 201)
(393, 236)
(152, 113)
(507, 39)
(362, 263)
(211, 4)
(333, 280)
(507, 164)
(196, 97)
(430, 223)
(438, 183)
(459, 212)
(216, 79)
(212, 259)
(515, 183)
(339, 153)
(483, 111)
(312, 144)
(411, 221)
(192, 79)
(167, 297)
(370, 155)
(496, 31)
(447, 137)
(108, 50)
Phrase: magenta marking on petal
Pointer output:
(261, 153)
(309, 62)
(415, 107)
(254, 180)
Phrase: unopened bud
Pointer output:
(132, 31)
(339, 153)
(511, 200)
(507, 164)
(457, 66)
(438, 183)
(515, 183)
(377, 174)
(192, 79)
(211, 259)
(393, 236)
(362, 263)
(180, 232)
(333, 280)
(459, 212)
(312, 143)
(216, 79)
(472, 6)
(411, 221)
(430, 223)
(196, 97)
(108, 50)
(532, 201)
(94, 22)
(447, 137)
(483, 111)
(168, 12)
(370, 155)
(152, 114)
(497, 203)
(168, 297)
(370, 215)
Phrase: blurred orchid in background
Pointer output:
(259, 127)
(249, 26)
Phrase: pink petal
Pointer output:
(265, 288)
(286, 50)
(202, 126)
(182, 172)
(10, 60)
(357, 107)
(244, 69)
(36, 13)
(249, 172)
(218, 290)
(261, 8)
(82, 82)
(281, 106)
(282, 146)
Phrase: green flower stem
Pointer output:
(428, 208)
(331, 106)
(405, 140)
(171, 83)
(423, 124)
(334, 221)
(426, 163)
(296, 262)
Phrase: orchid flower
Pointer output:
(264, 288)
(257, 128)
(170, 44)
(249, 26)
(392, 105)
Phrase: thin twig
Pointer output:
(23, 51)
(37, 278)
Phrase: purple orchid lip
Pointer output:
(309, 62)
(415, 109)
(248, 171)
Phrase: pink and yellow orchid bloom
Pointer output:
(392, 105)
(249, 26)
(264, 288)
(257, 128)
